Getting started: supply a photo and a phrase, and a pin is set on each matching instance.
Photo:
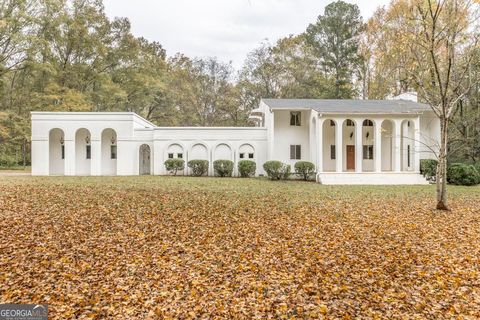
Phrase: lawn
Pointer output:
(181, 247)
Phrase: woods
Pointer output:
(63, 55)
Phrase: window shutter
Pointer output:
(298, 152)
(292, 118)
(292, 152)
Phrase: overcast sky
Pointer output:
(227, 29)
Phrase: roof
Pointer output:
(349, 106)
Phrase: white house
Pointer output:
(349, 141)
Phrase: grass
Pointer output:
(170, 247)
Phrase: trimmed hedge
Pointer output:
(223, 168)
(199, 167)
(428, 167)
(463, 174)
(247, 168)
(174, 165)
(304, 169)
(277, 170)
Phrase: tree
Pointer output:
(334, 39)
(443, 44)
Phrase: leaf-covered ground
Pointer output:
(165, 247)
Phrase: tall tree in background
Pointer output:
(334, 39)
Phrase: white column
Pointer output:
(320, 145)
(96, 154)
(358, 145)
(70, 157)
(417, 147)
(378, 145)
(339, 144)
(398, 140)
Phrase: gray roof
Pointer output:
(349, 106)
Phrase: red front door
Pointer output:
(350, 157)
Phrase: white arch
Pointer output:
(83, 152)
(109, 151)
(144, 159)
(387, 129)
(407, 139)
(349, 136)
(329, 144)
(56, 152)
(246, 150)
(368, 140)
(223, 151)
(198, 151)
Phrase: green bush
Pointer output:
(199, 167)
(223, 168)
(304, 169)
(247, 168)
(174, 165)
(277, 170)
(463, 174)
(428, 167)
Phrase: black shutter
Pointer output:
(298, 152)
(292, 152)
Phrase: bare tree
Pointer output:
(443, 39)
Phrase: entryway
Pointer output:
(351, 157)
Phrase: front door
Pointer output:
(350, 157)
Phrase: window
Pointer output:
(295, 119)
(332, 152)
(89, 151)
(242, 155)
(113, 152)
(170, 156)
(332, 123)
(63, 152)
(350, 123)
(250, 156)
(408, 154)
(180, 155)
(368, 123)
(368, 152)
(295, 152)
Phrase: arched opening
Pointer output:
(109, 152)
(348, 139)
(144, 159)
(246, 152)
(328, 145)
(56, 152)
(83, 152)
(222, 152)
(368, 142)
(387, 145)
(407, 142)
(175, 151)
(198, 152)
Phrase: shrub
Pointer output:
(463, 174)
(199, 167)
(247, 168)
(428, 167)
(304, 169)
(277, 170)
(174, 165)
(223, 168)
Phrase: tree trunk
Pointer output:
(442, 167)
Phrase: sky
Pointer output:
(227, 29)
